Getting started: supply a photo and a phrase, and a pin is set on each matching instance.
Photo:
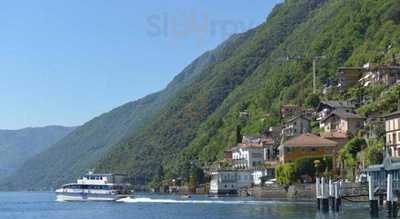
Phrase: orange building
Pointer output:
(306, 145)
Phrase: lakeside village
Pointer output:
(328, 140)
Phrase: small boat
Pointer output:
(186, 196)
(95, 187)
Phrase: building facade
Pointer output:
(342, 121)
(306, 145)
(253, 152)
(296, 126)
(386, 75)
(230, 181)
(392, 128)
(348, 76)
(246, 156)
(325, 108)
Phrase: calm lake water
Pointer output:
(24, 205)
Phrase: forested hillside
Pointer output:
(200, 123)
(195, 118)
(17, 146)
(78, 152)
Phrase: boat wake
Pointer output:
(173, 201)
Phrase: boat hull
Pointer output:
(88, 197)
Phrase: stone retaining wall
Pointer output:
(296, 191)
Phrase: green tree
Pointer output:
(373, 153)
(348, 154)
(285, 174)
(313, 100)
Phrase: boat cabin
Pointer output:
(102, 179)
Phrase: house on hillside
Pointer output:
(343, 122)
(386, 75)
(325, 108)
(295, 126)
(338, 137)
(253, 152)
(348, 77)
(392, 128)
(306, 145)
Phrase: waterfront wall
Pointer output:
(293, 192)
(300, 191)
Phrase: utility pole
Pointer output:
(314, 76)
(314, 62)
(315, 59)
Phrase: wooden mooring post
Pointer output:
(391, 201)
(317, 192)
(328, 194)
(324, 195)
(373, 203)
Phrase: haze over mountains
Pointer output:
(196, 117)
(17, 146)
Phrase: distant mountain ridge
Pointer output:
(86, 145)
(17, 146)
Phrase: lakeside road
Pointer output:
(28, 205)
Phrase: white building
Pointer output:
(230, 181)
(252, 152)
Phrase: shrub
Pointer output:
(373, 153)
(285, 174)
(306, 166)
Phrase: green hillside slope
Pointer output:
(17, 146)
(201, 122)
(150, 151)
(76, 154)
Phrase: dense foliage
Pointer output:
(302, 168)
(285, 174)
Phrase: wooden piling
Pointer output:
(324, 195)
(391, 204)
(373, 203)
(317, 192)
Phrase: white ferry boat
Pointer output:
(95, 187)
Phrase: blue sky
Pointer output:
(66, 61)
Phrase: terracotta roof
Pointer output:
(333, 135)
(309, 140)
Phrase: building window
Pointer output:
(398, 136)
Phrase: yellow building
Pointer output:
(306, 145)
